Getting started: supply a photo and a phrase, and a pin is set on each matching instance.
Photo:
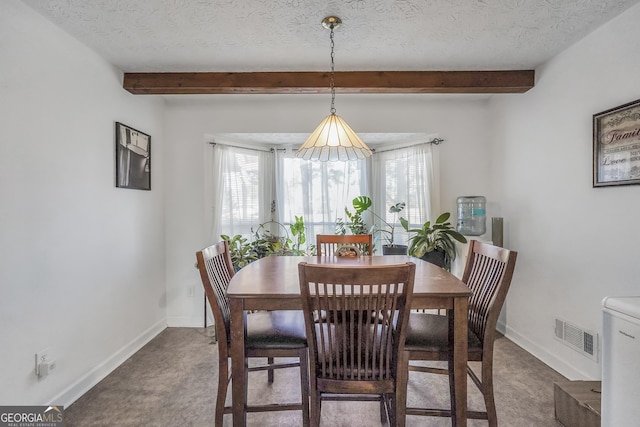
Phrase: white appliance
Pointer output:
(621, 362)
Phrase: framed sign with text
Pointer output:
(616, 146)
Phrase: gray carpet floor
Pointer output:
(172, 382)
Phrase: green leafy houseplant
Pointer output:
(434, 241)
(395, 210)
(355, 223)
(363, 204)
(241, 250)
(298, 232)
(264, 243)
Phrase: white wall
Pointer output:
(462, 121)
(91, 271)
(576, 243)
(81, 262)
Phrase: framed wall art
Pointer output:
(616, 146)
(133, 158)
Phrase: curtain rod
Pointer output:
(434, 141)
(270, 150)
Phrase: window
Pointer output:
(319, 191)
(240, 178)
(405, 175)
(251, 187)
(239, 190)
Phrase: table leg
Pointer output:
(402, 379)
(460, 330)
(238, 363)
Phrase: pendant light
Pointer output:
(333, 139)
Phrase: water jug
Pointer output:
(472, 216)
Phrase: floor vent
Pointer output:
(583, 341)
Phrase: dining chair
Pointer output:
(268, 334)
(356, 351)
(329, 244)
(488, 272)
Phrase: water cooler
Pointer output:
(472, 222)
(472, 215)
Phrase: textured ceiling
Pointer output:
(286, 35)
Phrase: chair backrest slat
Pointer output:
(328, 244)
(216, 271)
(488, 274)
(356, 318)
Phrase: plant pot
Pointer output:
(435, 257)
(394, 249)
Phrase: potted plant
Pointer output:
(242, 252)
(392, 248)
(264, 243)
(298, 233)
(434, 242)
(355, 223)
(362, 204)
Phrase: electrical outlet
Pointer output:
(44, 362)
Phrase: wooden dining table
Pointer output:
(272, 283)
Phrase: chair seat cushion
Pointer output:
(280, 329)
(430, 332)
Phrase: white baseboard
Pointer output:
(187, 322)
(97, 374)
(541, 353)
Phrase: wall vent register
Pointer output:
(583, 341)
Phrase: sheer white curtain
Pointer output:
(248, 187)
(318, 191)
(407, 175)
(242, 192)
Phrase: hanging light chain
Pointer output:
(333, 139)
(332, 81)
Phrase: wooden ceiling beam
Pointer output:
(514, 81)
